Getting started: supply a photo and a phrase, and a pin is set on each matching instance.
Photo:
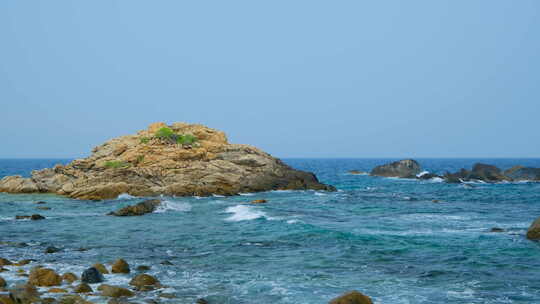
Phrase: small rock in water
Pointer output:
(114, 291)
(69, 277)
(166, 263)
(143, 268)
(101, 268)
(497, 229)
(533, 233)
(83, 288)
(167, 295)
(43, 208)
(44, 277)
(37, 217)
(40, 202)
(120, 266)
(57, 290)
(259, 201)
(352, 297)
(201, 301)
(142, 280)
(91, 275)
(52, 249)
(138, 209)
(23, 262)
(436, 201)
(81, 249)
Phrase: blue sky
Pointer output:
(295, 78)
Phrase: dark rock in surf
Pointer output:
(139, 209)
(520, 173)
(91, 276)
(407, 168)
(52, 249)
(496, 229)
(487, 173)
(533, 233)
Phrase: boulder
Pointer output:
(144, 280)
(83, 288)
(114, 291)
(152, 163)
(69, 277)
(91, 276)
(120, 266)
(352, 297)
(24, 294)
(407, 168)
(44, 277)
(520, 173)
(533, 233)
(101, 268)
(141, 208)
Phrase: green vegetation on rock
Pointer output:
(115, 164)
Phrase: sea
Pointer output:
(399, 241)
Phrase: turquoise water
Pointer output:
(382, 236)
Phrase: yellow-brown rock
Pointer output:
(69, 277)
(114, 291)
(259, 201)
(57, 290)
(101, 268)
(83, 288)
(145, 165)
(352, 297)
(5, 262)
(2, 282)
(44, 277)
(120, 266)
(142, 280)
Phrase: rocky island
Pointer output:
(178, 160)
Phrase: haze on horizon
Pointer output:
(295, 78)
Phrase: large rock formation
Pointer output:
(180, 159)
(520, 173)
(407, 168)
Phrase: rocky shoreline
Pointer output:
(177, 160)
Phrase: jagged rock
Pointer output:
(83, 288)
(533, 233)
(101, 268)
(138, 209)
(24, 294)
(44, 277)
(407, 168)
(91, 276)
(120, 266)
(520, 173)
(114, 291)
(144, 280)
(352, 297)
(69, 277)
(145, 165)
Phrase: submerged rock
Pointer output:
(407, 168)
(141, 208)
(179, 159)
(352, 297)
(91, 276)
(533, 233)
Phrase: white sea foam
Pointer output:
(320, 194)
(422, 173)
(246, 194)
(244, 213)
(217, 195)
(125, 196)
(437, 180)
(173, 206)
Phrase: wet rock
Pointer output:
(43, 208)
(73, 299)
(143, 268)
(496, 229)
(352, 297)
(69, 277)
(2, 282)
(533, 233)
(427, 176)
(23, 262)
(81, 249)
(166, 263)
(138, 209)
(83, 288)
(144, 280)
(114, 291)
(120, 266)
(91, 276)
(57, 290)
(52, 249)
(407, 168)
(5, 262)
(24, 294)
(259, 201)
(40, 202)
(101, 268)
(44, 277)
(36, 217)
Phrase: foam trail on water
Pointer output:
(243, 213)
(173, 206)
(125, 196)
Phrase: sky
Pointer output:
(386, 78)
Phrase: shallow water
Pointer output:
(382, 236)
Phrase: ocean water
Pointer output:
(384, 237)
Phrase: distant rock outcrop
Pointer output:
(407, 168)
(533, 233)
(180, 159)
